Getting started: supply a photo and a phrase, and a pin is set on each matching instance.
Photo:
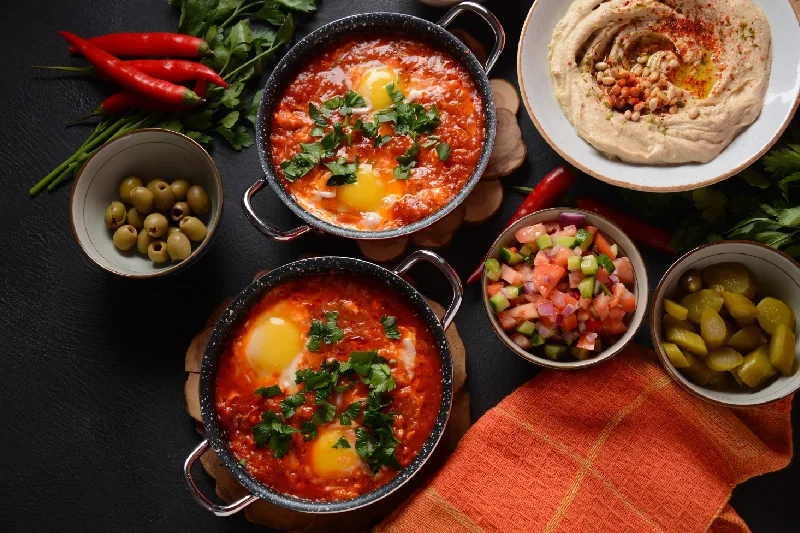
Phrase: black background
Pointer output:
(93, 429)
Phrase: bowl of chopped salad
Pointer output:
(565, 288)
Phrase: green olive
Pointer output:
(163, 197)
(125, 237)
(142, 242)
(179, 211)
(179, 187)
(135, 219)
(178, 246)
(142, 200)
(691, 281)
(152, 185)
(127, 185)
(156, 225)
(115, 215)
(172, 229)
(193, 228)
(157, 252)
(198, 201)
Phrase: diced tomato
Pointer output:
(594, 325)
(615, 314)
(513, 249)
(628, 302)
(591, 229)
(494, 288)
(583, 316)
(525, 312)
(541, 259)
(506, 320)
(604, 246)
(558, 299)
(546, 321)
(601, 276)
(546, 277)
(601, 302)
(568, 299)
(616, 293)
(585, 303)
(570, 322)
(614, 328)
(518, 301)
(562, 257)
(624, 270)
(530, 233)
(511, 276)
(584, 343)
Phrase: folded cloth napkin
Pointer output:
(619, 447)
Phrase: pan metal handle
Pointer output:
(491, 20)
(449, 273)
(262, 226)
(200, 498)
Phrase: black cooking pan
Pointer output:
(379, 23)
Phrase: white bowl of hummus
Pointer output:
(663, 95)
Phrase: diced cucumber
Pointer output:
(586, 287)
(615, 249)
(564, 240)
(574, 262)
(584, 238)
(544, 241)
(598, 345)
(510, 257)
(527, 250)
(500, 302)
(493, 269)
(555, 351)
(589, 265)
(527, 328)
(536, 339)
(579, 353)
(603, 288)
(604, 261)
(512, 291)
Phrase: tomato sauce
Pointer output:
(361, 304)
(427, 76)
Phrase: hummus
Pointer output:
(660, 82)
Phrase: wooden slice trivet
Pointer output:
(267, 514)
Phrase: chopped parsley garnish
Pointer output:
(317, 132)
(372, 369)
(291, 403)
(369, 129)
(341, 443)
(343, 173)
(390, 327)
(407, 160)
(381, 140)
(308, 430)
(377, 447)
(350, 413)
(268, 392)
(273, 432)
(324, 413)
(302, 163)
(443, 151)
(326, 332)
(316, 115)
(243, 462)
(334, 103)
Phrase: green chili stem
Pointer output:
(523, 189)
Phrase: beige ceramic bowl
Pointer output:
(776, 275)
(147, 153)
(626, 247)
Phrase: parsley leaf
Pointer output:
(390, 327)
(324, 413)
(302, 163)
(352, 99)
(372, 369)
(291, 403)
(308, 430)
(395, 95)
(273, 432)
(351, 413)
(344, 173)
(316, 115)
(331, 141)
(334, 103)
(380, 141)
(268, 392)
(316, 131)
(341, 443)
(443, 151)
(369, 129)
(362, 443)
(238, 138)
(407, 160)
(326, 332)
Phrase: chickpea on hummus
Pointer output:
(661, 82)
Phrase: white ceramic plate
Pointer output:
(782, 99)
(776, 275)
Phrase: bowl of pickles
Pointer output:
(724, 323)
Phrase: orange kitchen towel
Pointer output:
(617, 448)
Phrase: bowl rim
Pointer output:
(301, 53)
(678, 188)
(196, 253)
(571, 365)
(658, 297)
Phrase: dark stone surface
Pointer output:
(94, 430)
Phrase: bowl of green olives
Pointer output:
(146, 204)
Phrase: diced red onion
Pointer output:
(529, 287)
(613, 278)
(581, 327)
(571, 336)
(558, 299)
(551, 252)
(569, 309)
(522, 341)
(568, 218)
(543, 330)
(578, 251)
(546, 309)
(591, 337)
(559, 320)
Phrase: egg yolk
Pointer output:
(363, 195)
(372, 86)
(273, 345)
(327, 461)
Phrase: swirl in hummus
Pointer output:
(661, 82)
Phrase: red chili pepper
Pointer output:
(129, 77)
(120, 102)
(547, 192)
(637, 230)
(149, 44)
(174, 70)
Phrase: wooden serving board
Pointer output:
(267, 514)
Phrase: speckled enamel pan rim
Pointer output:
(608, 179)
(197, 253)
(642, 293)
(238, 310)
(658, 298)
(368, 23)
